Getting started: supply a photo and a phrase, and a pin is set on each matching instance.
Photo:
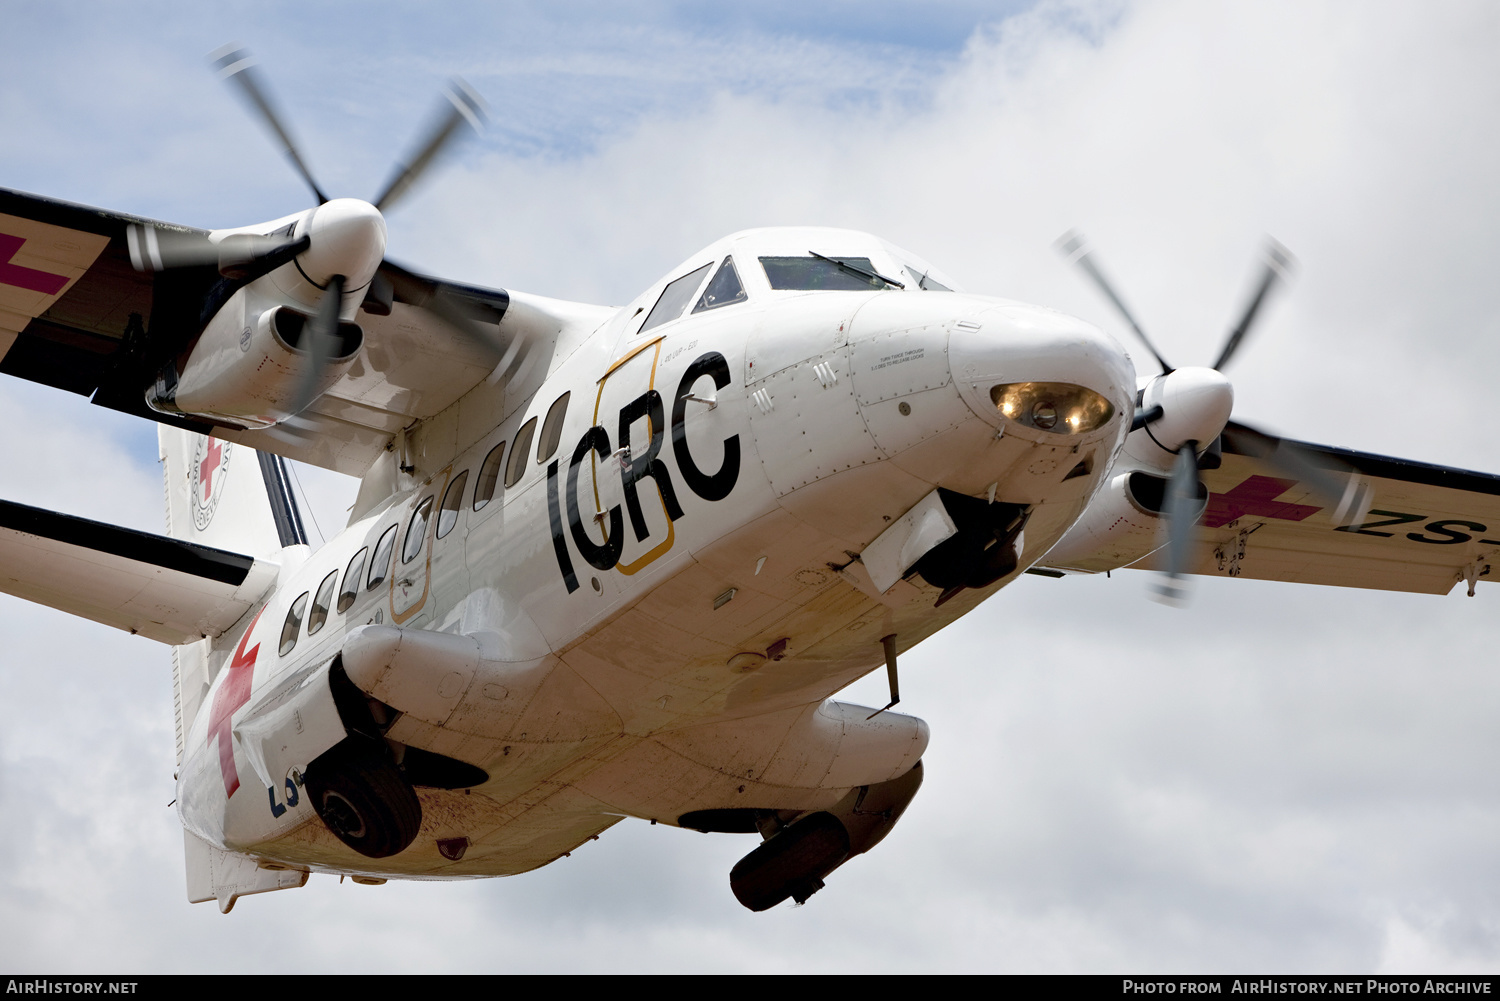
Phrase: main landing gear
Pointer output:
(364, 799)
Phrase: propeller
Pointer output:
(465, 107)
(1181, 509)
(1073, 246)
(237, 67)
(1182, 409)
(321, 336)
(240, 256)
(246, 256)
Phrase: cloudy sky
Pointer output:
(1277, 778)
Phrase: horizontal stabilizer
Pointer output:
(214, 874)
(165, 589)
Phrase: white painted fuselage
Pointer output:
(652, 627)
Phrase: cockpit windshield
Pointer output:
(816, 273)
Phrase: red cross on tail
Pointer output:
(233, 693)
(206, 468)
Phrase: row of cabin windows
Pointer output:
(724, 289)
(416, 528)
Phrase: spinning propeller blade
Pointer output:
(463, 106)
(237, 66)
(1073, 246)
(470, 319)
(1277, 263)
(1181, 510)
(320, 339)
(1335, 484)
(243, 256)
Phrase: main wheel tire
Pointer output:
(363, 798)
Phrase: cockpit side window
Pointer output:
(723, 290)
(924, 281)
(821, 274)
(674, 299)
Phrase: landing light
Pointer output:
(1058, 407)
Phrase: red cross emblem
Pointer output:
(29, 279)
(1256, 496)
(233, 693)
(206, 468)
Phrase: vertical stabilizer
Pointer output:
(230, 497)
(227, 496)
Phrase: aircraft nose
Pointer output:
(1039, 369)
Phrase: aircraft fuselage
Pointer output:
(671, 563)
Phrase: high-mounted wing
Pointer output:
(1429, 527)
(161, 588)
(76, 314)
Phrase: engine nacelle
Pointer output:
(794, 861)
(1122, 525)
(246, 367)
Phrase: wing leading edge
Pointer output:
(1428, 528)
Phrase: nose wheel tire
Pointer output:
(362, 797)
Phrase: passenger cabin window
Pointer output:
(322, 601)
(489, 474)
(381, 564)
(723, 290)
(824, 274)
(292, 624)
(552, 428)
(674, 299)
(517, 464)
(352, 574)
(416, 530)
(453, 499)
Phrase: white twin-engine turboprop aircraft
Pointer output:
(616, 562)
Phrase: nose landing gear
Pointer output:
(982, 550)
